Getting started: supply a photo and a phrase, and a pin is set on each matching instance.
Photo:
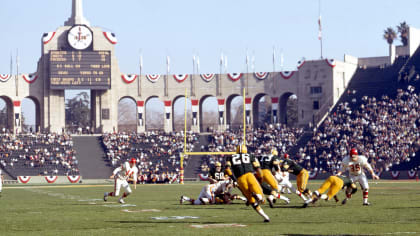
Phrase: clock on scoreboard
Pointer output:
(80, 70)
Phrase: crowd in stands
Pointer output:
(385, 130)
(157, 153)
(38, 154)
(259, 141)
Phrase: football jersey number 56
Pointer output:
(244, 158)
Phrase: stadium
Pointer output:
(209, 153)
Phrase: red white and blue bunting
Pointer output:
(51, 179)
(30, 78)
(153, 77)
(261, 75)
(73, 178)
(313, 174)
(300, 63)
(24, 179)
(286, 74)
(207, 77)
(331, 62)
(47, 37)
(234, 76)
(395, 174)
(129, 78)
(4, 77)
(180, 78)
(111, 37)
(203, 177)
(411, 174)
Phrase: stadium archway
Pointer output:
(288, 109)
(208, 113)
(30, 115)
(261, 110)
(6, 114)
(154, 114)
(234, 111)
(178, 111)
(127, 113)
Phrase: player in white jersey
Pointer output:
(355, 164)
(127, 171)
(209, 192)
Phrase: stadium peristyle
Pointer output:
(55, 180)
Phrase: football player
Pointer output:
(126, 172)
(240, 168)
(333, 184)
(216, 173)
(301, 173)
(209, 192)
(282, 178)
(355, 164)
(268, 162)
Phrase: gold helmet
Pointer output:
(218, 164)
(274, 152)
(241, 149)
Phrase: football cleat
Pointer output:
(270, 201)
(181, 200)
(306, 203)
(266, 220)
(121, 201)
(344, 201)
(366, 204)
(105, 197)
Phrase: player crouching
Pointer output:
(127, 171)
(212, 194)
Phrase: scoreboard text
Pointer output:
(80, 69)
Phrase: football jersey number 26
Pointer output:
(238, 159)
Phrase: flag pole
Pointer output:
(319, 26)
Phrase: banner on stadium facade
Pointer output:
(4, 77)
(111, 37)
(47, 37)
(51, 179)
(286, 74)
(234, 76)
(395, 174)
(207, 77)
(203, 177)
(30, 78)
(129, 78)
(180, 78)
(261, 75)
(153, 77)
(73, 178)
(300, 63)
(331, 62)
(24, 179)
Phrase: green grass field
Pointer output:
(151, 210)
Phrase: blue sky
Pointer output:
(183, 28)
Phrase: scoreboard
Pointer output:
(80, 69)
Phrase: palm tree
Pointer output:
(390, 35)
(403, 30)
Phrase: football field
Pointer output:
(155, 210)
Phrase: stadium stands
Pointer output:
(37, 154)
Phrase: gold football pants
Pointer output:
(269, 179)
(334, 184)
(248, 184)
(302, 180)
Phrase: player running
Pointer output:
(355, 164)
(269, 162)
(127, 171)
(302, 175)
(333, 184)
(240, 168)
(282, 178)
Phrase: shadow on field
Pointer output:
(161, 222)
(203, 208)
(398, 208)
